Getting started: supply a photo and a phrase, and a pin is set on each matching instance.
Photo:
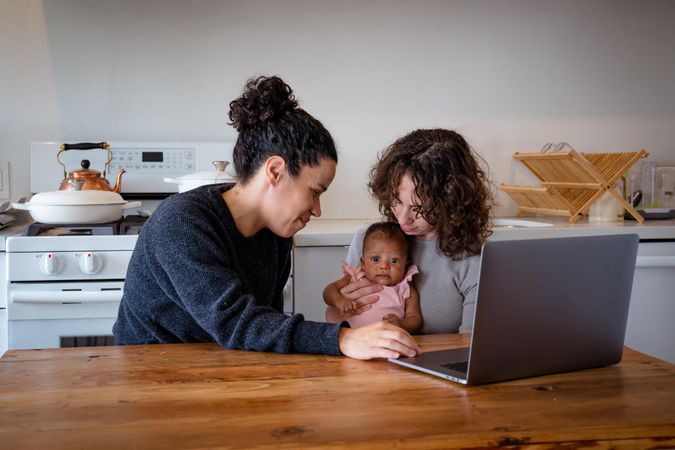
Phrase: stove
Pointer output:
(64, 290)
(65, 281)
(14, 228)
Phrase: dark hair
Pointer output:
(269, 123)
(391, 232)
(454, 193)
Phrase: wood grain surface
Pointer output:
(203, 396)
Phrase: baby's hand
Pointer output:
(345, 306)
(392, 319)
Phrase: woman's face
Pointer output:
(411, 222)
(297, 199)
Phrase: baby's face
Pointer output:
(384, 261)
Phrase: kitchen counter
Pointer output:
(340, 232)
(15, 228)
(320, 232)
(561, 227)
(320, 248)
(203, 396)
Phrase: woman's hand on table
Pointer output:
(377, 340)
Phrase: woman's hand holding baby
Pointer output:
(346, 299)
(358, 297)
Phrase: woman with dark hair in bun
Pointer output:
(210, 264)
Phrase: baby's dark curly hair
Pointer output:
(454, 193)
(389, 231)
(269, 123)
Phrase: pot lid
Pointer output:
(87, 197)
(211, 176)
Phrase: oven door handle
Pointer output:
(66, 296)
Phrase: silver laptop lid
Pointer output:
(551, 305)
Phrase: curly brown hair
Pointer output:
(455, 195)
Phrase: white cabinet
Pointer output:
(3, 305)
(651, 317)
(313, 269)
(3, 331)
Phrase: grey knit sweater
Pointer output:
(194, 278)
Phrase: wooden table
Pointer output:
(200, 395)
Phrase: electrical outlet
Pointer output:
(4, 179)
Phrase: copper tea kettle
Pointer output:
(86, 178)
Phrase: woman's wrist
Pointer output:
(343, 335)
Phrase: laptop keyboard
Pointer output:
(459, 366)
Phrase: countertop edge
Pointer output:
(337, 232)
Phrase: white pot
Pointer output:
(194, 180)
(76, 207)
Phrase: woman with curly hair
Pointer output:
(211, 264)
(430, 182)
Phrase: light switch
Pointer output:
(4, 179)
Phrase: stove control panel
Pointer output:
(146, 163)
(75, 265)
(165, 161)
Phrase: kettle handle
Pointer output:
(84, 146)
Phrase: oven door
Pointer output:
(52, 315)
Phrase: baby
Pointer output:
(384, 261)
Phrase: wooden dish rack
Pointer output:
(571, 182)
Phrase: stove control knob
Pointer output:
(51, 264)
(90, 263)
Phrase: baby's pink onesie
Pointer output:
(392, 298)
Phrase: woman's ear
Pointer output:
(275, 169)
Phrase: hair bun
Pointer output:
(264, 98)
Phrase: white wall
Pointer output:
(510, 75)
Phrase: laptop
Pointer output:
(543, 306)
